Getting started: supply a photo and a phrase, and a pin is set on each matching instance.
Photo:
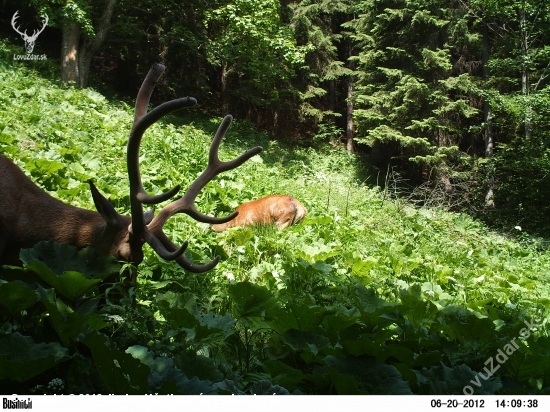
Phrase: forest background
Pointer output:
(380, 116)
(448, 98)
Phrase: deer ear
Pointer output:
(104, 207)
(148, 216)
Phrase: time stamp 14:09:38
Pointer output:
(482, 403)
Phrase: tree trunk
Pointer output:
(76, 55)
(69, 53)
(489, 142)
(84, 62)
(350, 127)
(525, 71)
(335, 139)
(225, 99)
(332, 99)
(91, 45)
(488, 135)
(275, 129)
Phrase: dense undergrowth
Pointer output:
(369, 295)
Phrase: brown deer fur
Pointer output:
(28, 215)
(280, 210)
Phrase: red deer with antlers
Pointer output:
(29, 215)
(279, 210)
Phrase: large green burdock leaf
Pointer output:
(210, 323)
(22, 359)
(165, 378)
(441, 380)
(121, 372)
(530, 361)
(16, 296)
(299, 340)
(286, 375)
(197, 365)
(180, 311)
(464, 326)
(301, 317)
(70, 271)
(418, 311)
(44, 166)
(68, 323)
(66, 258)
(251, 300)
(69, 284)
(371, 377)
(368, 300)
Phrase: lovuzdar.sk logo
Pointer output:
(29, 39)
(16, 404)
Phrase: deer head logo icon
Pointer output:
(29, 39)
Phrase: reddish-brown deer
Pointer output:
(279, 210)
(28, 214)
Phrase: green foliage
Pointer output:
(249, 40)
(367, 296)
(522, 164)
(411, 89)
(328, 131)
(419, 75)
(22, 359)
(317, 27)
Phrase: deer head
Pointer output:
(29, 40)
(29, 215)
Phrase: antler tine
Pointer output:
(153, 233)
(186, 204)
(14, 22)
(44, 23)
(142, 120)
(215, 167)
(159, 246)
(182, 261)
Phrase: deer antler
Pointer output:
(35, 32)
(44, 24)
(13, 22)
(153, 233)
(186, 204)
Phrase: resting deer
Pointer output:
(280, 210)
(28, 214)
